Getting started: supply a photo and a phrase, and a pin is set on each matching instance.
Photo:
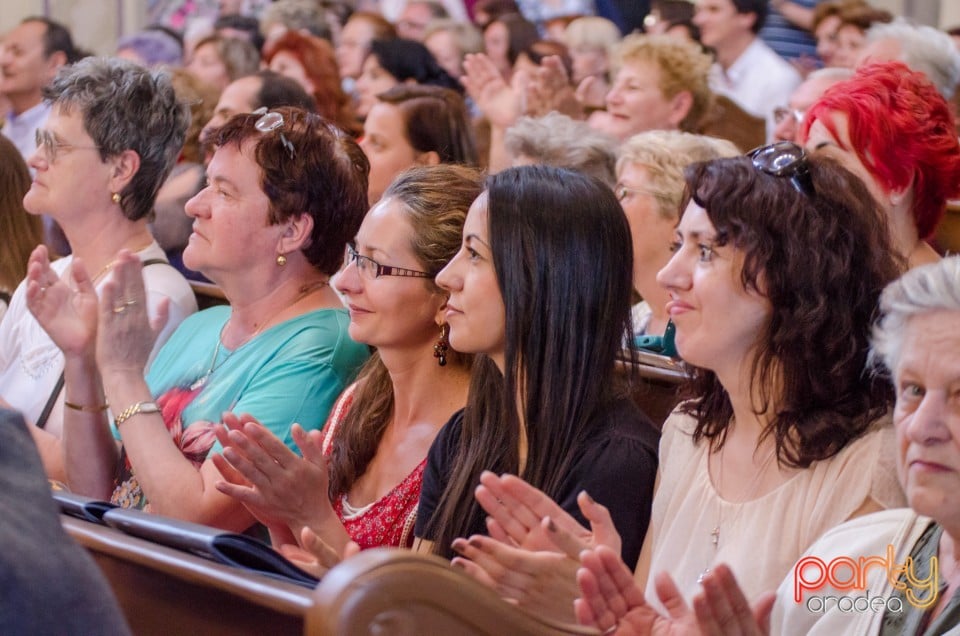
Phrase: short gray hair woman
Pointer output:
(114, 132)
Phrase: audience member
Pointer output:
(398, 61)
(922, 48)
(218, 60)
(32, 54)
(98, 168)
(916, 344)
(416, 16)
(823, 26)
(590, 41)
(787, 119)
(660, 84)
(242, 27)
(450, 42)
(361, 29)
(263, 89)
(505, 37)
(543, 400)
(286, 191)
(414, 125)
(852, 32)
(671, 17)
(746, 70)
(890, 127)
(377, 439)
(486, 11)
(556, 140)
(311, 62)
(650, 188)
(22, 231)
(307, 16)
(151, 47)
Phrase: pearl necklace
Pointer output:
(305, 291)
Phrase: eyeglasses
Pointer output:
(371, 269)
(786, 160)
(621, 192)
(271, 121)
(51, 147)
(782, 112)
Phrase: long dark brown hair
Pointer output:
(20, 230)
(563, 257)
(436, 200)
(822, 261)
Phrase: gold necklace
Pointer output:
(746, 497)
(305, 291)
(106, 268)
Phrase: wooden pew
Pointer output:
(398, 592)
(654, 381)
(166, 591)
(382, 591)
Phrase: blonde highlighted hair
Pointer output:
(664, 154)
(683, 67)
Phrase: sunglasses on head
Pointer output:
(786, 160)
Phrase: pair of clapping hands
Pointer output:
(540, 558)
(535, 93)
(114, 327)
(284, 491)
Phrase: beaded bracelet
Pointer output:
(86, 409)
(135, 409)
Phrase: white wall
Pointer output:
(95, 24)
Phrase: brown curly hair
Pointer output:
(823, 261)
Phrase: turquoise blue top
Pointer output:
(292, 372)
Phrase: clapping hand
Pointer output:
(65, 308)
(276, 485)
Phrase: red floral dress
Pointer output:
(388, 521)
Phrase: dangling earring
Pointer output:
(281, 260)
(440, 349)
(115, 197)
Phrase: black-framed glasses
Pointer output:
(786, 160)
(270, 121)
(371, 269)
(51, 147)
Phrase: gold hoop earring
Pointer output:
(115, 197)
(281, 260)
(443, 343)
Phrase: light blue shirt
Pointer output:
(21, 129)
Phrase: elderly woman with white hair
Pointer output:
(891, 572)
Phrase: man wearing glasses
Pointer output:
(787, 119)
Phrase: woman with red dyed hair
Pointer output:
(890, 126)
(312, 63)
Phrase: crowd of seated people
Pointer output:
(565, 190)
